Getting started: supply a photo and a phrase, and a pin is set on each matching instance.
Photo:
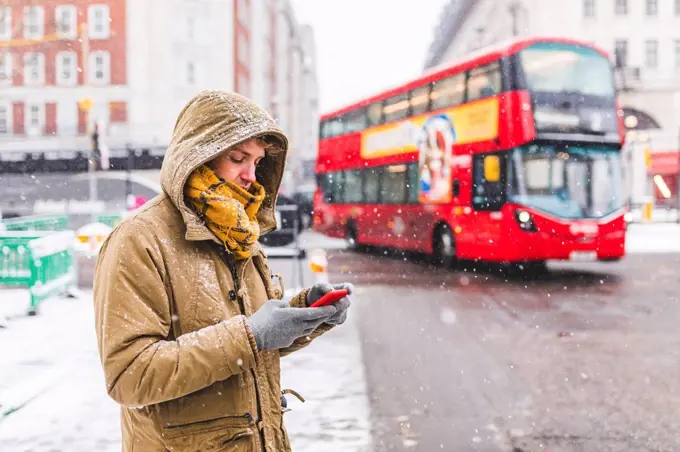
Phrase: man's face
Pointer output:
(238, 164)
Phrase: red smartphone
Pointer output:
(331, 297)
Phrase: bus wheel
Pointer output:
(351, 235)
(444, 247)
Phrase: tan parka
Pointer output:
(170, 305)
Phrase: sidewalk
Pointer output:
(653, 238)
(50, 371)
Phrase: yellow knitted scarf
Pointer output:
(228, 210)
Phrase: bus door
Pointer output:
(488, 197)
(395, 215)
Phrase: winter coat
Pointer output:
(170, 305)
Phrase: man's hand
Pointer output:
(320, 289)
(276, 325)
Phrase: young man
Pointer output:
(189, 325)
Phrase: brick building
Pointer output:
(136, 62)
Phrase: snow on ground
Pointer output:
(51, 375)
(653, 238)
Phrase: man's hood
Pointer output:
(211, 123)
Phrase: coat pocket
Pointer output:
(226, 434)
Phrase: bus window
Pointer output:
(396, 107)
(353, 187)
(332, 187)
(420, 100)
(448, 92)
(393, 189)
(372, 185)
(488, 194)
(355, 121)
(484, 81)
(374, 114)
(325, 129)
(337, 127)
(566, 68)
(412, 180)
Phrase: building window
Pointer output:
(35, 119)
(588, 8)
(677, 7)
(67, 63)
(5, 69)
(652, 7)
(98, 21)
(5, 118)
(651, 53)
(34, 19)
(65, 17)
(621, 7)
(99, 68)
(621, 52)
(5, 23)
(34, 69)
(191, 73)
(677, 53)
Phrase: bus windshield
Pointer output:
(569, 182)
(551, 67)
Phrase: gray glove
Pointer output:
(318, 290)
(276, 325)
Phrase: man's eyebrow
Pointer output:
(240, 149)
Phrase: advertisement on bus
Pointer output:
(433, 137)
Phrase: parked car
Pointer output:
(287, 217)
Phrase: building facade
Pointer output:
(127, 67)
(645, 36)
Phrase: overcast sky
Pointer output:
(365, 46)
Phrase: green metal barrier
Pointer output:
(110, 219)
(43, 262)
(36, 223)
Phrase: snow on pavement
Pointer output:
(653, 238)
(329, 374)
(50, 361)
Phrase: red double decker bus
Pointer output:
(512, 154)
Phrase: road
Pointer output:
(582, 358)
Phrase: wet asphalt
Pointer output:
(582, 357)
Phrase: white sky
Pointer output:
(366, 46)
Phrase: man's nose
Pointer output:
(248, 175)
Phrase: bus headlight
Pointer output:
(525, 220)
(628, 217)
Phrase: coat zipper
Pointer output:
(234, 275)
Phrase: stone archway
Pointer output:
(635, 119)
